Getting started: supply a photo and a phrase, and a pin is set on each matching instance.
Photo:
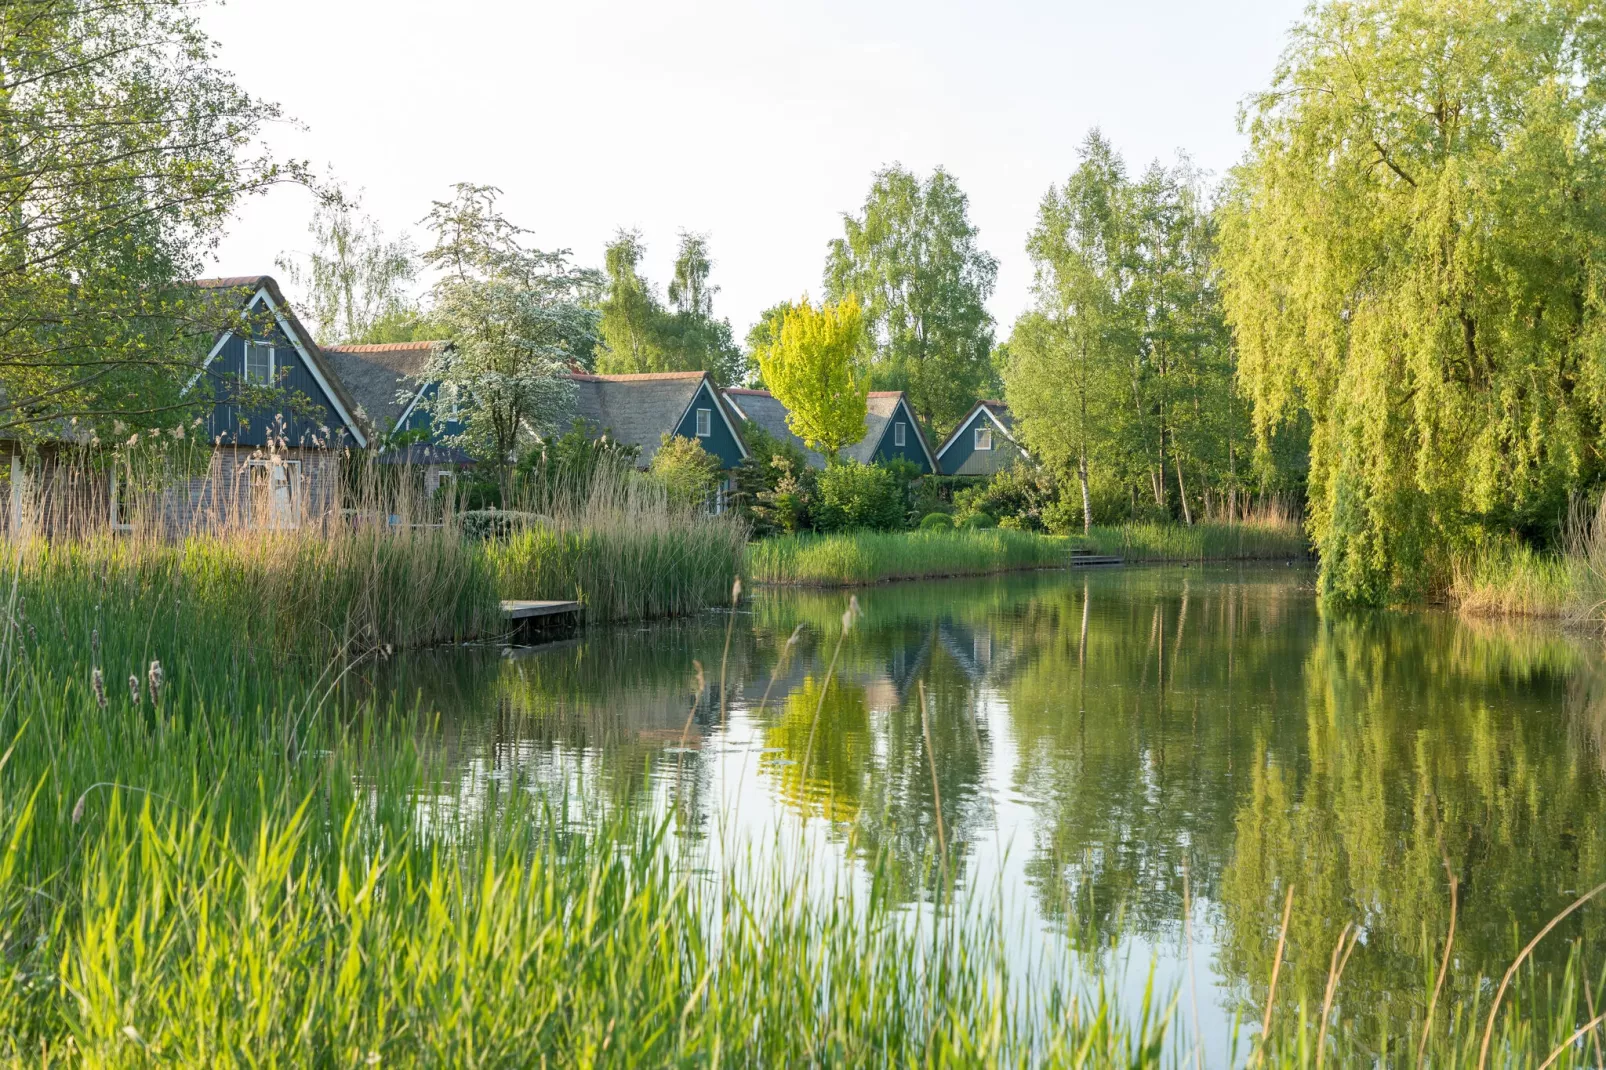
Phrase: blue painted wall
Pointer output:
(420, 420)
(307, 416)
(719, 442)
(910, 450)
(963, 458)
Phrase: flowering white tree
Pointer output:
(518, 321)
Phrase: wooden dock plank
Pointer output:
(523, 609)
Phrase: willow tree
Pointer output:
(1413, 253)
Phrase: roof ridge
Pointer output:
(633, 377)
(382, 347)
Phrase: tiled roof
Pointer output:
(763, 409)
(638, 410)
(382, 378)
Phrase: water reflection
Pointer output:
(1087, 736)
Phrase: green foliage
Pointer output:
(774, 483)
(854, 496)
(639, 334)
(1412, 253)
(517, 321)
(761, 335)
(912, 261)
(1021, 493)
(936, 522)
(872, 556)
(977, 519)
(812, 368)
(561, 470)
(688, 472)
(1122, 372)
(356, 283)
(1199, 542)
(123, 153)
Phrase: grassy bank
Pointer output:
(1505, 578)
(1199, 542)
(874, 556)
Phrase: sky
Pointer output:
(758, 124)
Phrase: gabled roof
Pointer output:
(384, 379)
(879, 409)
(638, 410)
(996, 412)
(766, 410)
(244, 291)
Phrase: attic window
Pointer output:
(705, 422)
(897, 433)
(984, 438)
(259, 363)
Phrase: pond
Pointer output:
(1131, 767)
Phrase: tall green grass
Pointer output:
(1506, 578)
(1204, 541)
(872, 556)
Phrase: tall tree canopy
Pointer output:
(122, 152)
(912, 260)
(812, 366)
(518, 319)
(1122, 369)
(356, 282)
(1413, 253)
(640, 334)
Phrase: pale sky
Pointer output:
(759, 124)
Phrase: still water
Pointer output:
(1105, 745)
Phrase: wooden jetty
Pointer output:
(1089, 559)
(541, 619)
(524, 609)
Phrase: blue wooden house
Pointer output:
(280, 417)
(890, 428)
(983, 444)
(395, 400)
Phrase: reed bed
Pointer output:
(382, 567)
(1205, 541)
(1505, 578)
(873, 556)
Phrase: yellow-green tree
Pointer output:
(812, 366)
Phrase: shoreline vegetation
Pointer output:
(859, 558)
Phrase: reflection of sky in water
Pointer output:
(1093, 734)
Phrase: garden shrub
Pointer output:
(936, 522)
(688, 472)
(854, 496)
(978, 520)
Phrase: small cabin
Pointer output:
(890, 428)
(983, 444)
(639, 410)
(395, 396)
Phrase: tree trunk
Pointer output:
(1087, 502)
(1182, 492)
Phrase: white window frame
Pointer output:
(705, 423)
(984, 439)
(245, 366)
(280, 515)
(898, 433)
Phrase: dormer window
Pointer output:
(259, 363)
(898, 433)
(984, 438)
(705, 423)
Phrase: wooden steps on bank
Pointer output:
(1089, 559)
(540, 619)
(526, 609)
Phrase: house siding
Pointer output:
(720, 442)
(311, 421)
(910, 450)
(963, 459)
(421, 420)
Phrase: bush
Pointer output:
(856, 496)
(486, 524)
(775, 487)
(688, 472)
(978, 520)
(936, 522)
(1026, 493)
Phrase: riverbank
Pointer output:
(1199, 542)
(864, 557)
(874, 557)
